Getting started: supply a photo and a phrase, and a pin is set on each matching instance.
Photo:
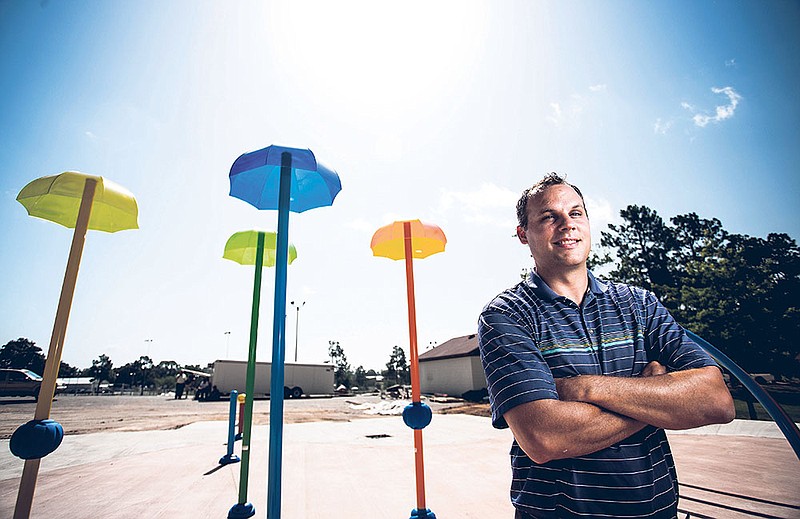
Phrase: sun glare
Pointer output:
(375, 59)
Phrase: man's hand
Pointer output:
(653, 369)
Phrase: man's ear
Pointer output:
(521, 235)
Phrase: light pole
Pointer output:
(227, 344)
(296, 325)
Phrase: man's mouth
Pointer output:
(567, 242)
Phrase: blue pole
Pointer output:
(230, 457)
(279, 343)
(785, 423)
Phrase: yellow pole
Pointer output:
(30, 472)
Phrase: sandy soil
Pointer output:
(80, 414)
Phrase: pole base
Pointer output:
(242, 511)
(228, 459)
(422, 514)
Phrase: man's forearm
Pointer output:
(676, 400)
(555, 429)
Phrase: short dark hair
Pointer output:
(551, 179)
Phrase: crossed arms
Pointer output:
(595, 411)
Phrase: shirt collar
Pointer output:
(541, 289)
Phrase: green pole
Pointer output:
(251, 372)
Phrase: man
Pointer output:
(180, 384)
(588, 374)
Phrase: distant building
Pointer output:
(81, 385)
(452, 368)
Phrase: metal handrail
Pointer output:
(784, 422)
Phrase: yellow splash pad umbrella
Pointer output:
(58, 198)
(80, 201)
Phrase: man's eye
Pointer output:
(576, 214)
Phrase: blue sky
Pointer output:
(441, 111)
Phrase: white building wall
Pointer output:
(451, 376)
(478, 375)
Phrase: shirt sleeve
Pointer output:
(667, 340)
(516, 372)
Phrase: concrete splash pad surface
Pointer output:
(361, 469)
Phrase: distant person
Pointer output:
(180, 384)
(201, 393)
(588, 374)
(215, 394)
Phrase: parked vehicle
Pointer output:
(299, 379)
(19, 382)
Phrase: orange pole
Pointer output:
(415, 390)
(30, 471)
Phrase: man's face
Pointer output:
(558, 232)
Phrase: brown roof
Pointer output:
(466, 346)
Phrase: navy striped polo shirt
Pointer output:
(529, 335)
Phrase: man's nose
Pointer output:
(565, 222)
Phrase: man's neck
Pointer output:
(571, 284)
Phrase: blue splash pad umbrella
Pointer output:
(256, 177)
(286, 179)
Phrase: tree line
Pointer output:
(397, 369)
(23, 353)
(740, 293)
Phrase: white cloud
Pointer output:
(600, 215)
(721, 112)
(662, 127)
(571, 111)
(557, 117)
(489, 204)
(730, 62)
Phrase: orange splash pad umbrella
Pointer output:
(407, 240)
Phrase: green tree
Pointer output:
(642, 247)
(343, 374)
(397, 369)
(361, 377)
(146, 374)
(164, 374)
(738, 292)
(102, 369)
(67, 371)
(166, 368)
(22, 354)
(126, 375)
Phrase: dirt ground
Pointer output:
(81, 414)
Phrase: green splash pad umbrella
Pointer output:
(257, 248)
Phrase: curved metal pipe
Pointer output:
(785, 423)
